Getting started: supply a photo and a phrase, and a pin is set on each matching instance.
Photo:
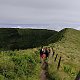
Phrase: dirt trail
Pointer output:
(44, 69)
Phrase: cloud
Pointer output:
(39, 11)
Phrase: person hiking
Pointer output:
(41, 53)
(46, 52)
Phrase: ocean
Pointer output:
(56, 27)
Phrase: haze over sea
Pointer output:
(56, 27)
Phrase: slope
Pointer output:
(19, 65)
(34, 37)
(11, 38)
(8, 37)
(68, 48)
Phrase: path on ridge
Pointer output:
(44, 69)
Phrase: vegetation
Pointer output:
(24, 64)
(11, 39)
(19, 65)
(68, 48)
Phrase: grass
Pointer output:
(69, 49)
(24, 64)
(11, 39)
(19, 65)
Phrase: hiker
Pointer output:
(44, 54)
(41, 53)
(47, 52)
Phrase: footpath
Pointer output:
(44, 69)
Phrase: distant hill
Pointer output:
(67, 46)
(14, 38)
(8, 36)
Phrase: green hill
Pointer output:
(68, 47)
(11, 38)
(34, 37)
(8, 36)
(24, 64)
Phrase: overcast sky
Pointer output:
(39, 11)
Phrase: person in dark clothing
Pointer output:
(41, 53)
(46, 52)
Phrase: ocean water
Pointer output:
(34, 26)
(56, 27)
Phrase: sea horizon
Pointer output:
(55, 26)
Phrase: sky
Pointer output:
(40, 12)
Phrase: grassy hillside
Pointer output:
(8, 37)
(24, 64)
(34, 37)
(68, 47)
(23, 38)
(19, 65)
